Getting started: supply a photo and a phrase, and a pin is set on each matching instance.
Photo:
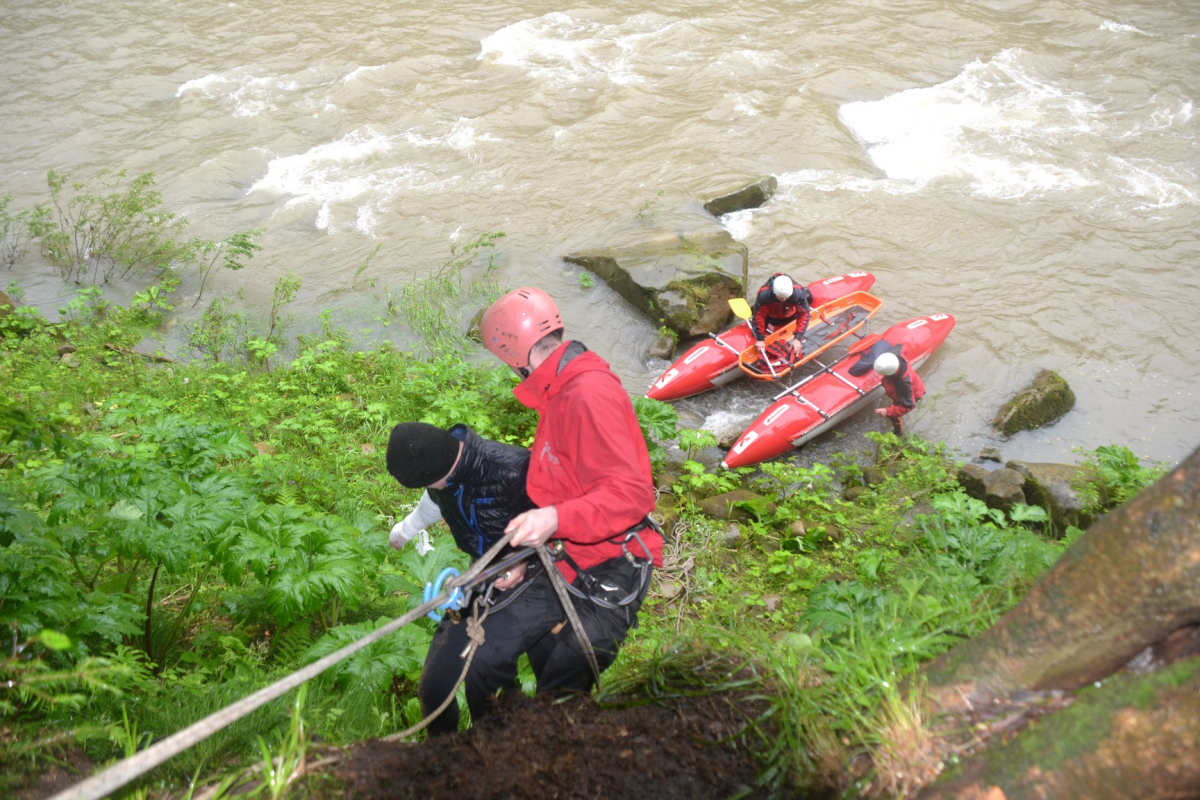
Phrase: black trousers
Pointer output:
(534, 623)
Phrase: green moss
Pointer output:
(1077, 731)
(1042, 403)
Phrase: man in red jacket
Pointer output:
(589, 474)
(778, 302)
(903, 386)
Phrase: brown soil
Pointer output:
(534, 748)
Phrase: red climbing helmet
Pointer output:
(516, 322)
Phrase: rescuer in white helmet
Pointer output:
(778, 302)
(903, 386)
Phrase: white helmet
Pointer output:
(887, 364)
(782, 286)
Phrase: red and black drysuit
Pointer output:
(589, 461)
(771, 314)
(904, 389)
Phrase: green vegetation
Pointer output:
(177, 535)
(1114, 475)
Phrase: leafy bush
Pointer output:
(433, 305)
(14, 233)
(1112, 477)
(95, 234)
(373, 667)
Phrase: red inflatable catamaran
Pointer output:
(830, 396)
(715, 361)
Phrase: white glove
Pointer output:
(425, 514)
(403, 532)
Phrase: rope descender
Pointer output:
(456, 601)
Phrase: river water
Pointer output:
(1029, 167)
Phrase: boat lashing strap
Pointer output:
(804, 400)
(823, 369)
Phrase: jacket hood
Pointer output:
(546, 380)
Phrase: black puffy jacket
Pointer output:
(484, 492)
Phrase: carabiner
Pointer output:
(457, 599)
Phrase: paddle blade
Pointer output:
(740, 307)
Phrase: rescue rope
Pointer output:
(123, 772)
(114, 777)
(475, 634)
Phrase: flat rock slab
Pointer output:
(683, 282)
(749, 196)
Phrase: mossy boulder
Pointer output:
(1052, 486)
(751, 195)
(740, 504)
(666, 512)
(682, 282)
(1044, 401)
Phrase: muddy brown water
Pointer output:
(1029, 167)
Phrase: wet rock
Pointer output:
(66, 348)
(69, 360)
(991, 454)
(740, 504)
(732, 535)
(708, 457)
(1052, 486)
(473, 327)
(1004, 487)
(664, 481)
(873, 476)
(682, 282)
(669, 589)
(751, 195)
(728, 437)
(663, 347)
(973, 479)
(7, 304)
(851, 493)
(1044, 401)
(799, 529)
(665, 512)
(772, 601)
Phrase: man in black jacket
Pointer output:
(476, 486)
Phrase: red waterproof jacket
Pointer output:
(904, 388)
(771, 313)
(589, 459)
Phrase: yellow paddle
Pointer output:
(742, 309)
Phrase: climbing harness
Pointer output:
(644, 565)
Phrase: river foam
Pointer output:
(1008, 133)
(250, 91)
(563, 48)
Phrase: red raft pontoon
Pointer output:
(829, 397)
(714, 362)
